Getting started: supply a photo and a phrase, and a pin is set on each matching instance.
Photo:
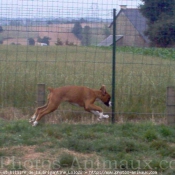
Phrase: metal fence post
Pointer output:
(41, 97)
(113, 65)
(170, 105)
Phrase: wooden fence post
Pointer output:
(170, 105)
(41, 96)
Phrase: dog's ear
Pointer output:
(103, 89)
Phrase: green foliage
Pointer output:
(1, 29)
(106, 31)
(69, 43)
(66, 160)
(166, 132)
(153, 9)
(77, 30)
(86, 36)
(165, 53)
(160, 15)
(84, 146)
(150, 135)
(59, 42)
(45, 40)
(1, 41)
(31, 41)
(162, 32)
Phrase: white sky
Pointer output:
(62, 8)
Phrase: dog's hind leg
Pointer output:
(39, 109)
(32, 119)
(50, 108)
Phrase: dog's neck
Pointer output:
(98, 94)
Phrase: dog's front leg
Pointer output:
(99, 114)
(96, 110)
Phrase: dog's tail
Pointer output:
(50, 89)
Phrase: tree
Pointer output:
(45, 40)
(153, 9)
(106, 31)
(77, 30)
(39, 39)
(59, 42)
(162, 33)
(31, 41)
(86, 36)
(160, 16)
(1, 29)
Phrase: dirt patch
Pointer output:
(30, 153)
(27, 158)
(77, 154)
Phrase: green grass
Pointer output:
(141, 79)
(127, 146)
(165, 53)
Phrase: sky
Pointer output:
(62, 8)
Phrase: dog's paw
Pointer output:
(99, 119)
(102, 117)
(105, 116)
(30, 120)
(34, 123)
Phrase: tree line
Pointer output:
(160, 15)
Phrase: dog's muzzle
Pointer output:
(109, 104)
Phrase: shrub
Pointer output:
(66, 160)
(59, 42)
(150, 135)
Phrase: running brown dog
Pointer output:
(77, 95)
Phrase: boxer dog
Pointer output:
(78, 95)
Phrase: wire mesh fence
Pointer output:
(70, 43)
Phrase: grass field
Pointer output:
(144, 147)
(141, 78)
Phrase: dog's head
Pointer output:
(106, 98)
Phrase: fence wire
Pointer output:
(70, 43)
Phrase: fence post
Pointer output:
(170, 105)
(113, 65)
(41, 96)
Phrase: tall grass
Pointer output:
(141, 79)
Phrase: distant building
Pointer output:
(41, 44)
(130, 27)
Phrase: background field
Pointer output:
(141, 77)
(20, 34)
